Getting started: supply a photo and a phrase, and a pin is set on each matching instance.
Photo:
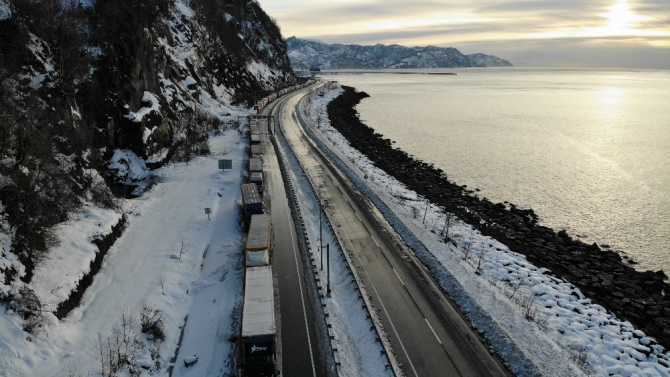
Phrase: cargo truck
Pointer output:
(257, 249)
(256, 172)
(258, 323)
(252, 204)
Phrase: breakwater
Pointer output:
(636, 296)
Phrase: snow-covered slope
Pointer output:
(306, 54)
(171, 257)
(95, 96)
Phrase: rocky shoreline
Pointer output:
(643, 298)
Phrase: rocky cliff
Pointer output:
(306, 54)
(92, 92)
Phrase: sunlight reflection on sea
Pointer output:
(588, 150)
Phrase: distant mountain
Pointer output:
(483, 60)
(306, 54)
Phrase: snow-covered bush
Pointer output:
(152, 321)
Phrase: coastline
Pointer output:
(600, 274)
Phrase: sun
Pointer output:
(621, 18)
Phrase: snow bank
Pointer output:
(129, 168)
(68, 262)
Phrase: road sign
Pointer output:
(225, 164)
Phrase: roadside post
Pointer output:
(320, 227)
(328, 266)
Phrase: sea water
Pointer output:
(588, 150)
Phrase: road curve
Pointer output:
(299, 343)
(429, 336)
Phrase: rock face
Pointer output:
(80, 81)
(639, 297)
(306, 54)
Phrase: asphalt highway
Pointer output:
(299, 345)
(428, 335)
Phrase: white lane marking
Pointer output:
(302, 298)
(345, 199)
(373, 238)
(359, 218)
(431, 329)
(381, 303)
(379, 298)
(401, 282)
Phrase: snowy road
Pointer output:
(428, 335)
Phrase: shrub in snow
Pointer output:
(152, 321)
(122, 349)
(28, 306)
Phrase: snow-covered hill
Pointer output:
(95, 95)
(307, 54)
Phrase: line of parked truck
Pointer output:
(258, 314)
(260, 105)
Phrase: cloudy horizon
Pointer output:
(599, 33)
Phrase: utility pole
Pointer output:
(320, 227)
(328, 265)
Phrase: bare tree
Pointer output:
(184, 248)
(161, 280)
(447, 223)
(480, 257)
(415, 212)
(517, 285)
(466, 247)
(72, 370)
(152, 321)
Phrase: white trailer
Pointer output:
(257, 250)
(258, 323)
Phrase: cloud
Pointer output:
(503, 25)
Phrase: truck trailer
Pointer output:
(256, 150)
(258, 323)
(257, 249)
(256, 172)
(252, 204)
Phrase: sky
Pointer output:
(578, 33)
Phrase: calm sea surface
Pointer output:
(588, 150)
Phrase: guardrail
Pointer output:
(479, 319)
(392, 362)
(332, 361)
